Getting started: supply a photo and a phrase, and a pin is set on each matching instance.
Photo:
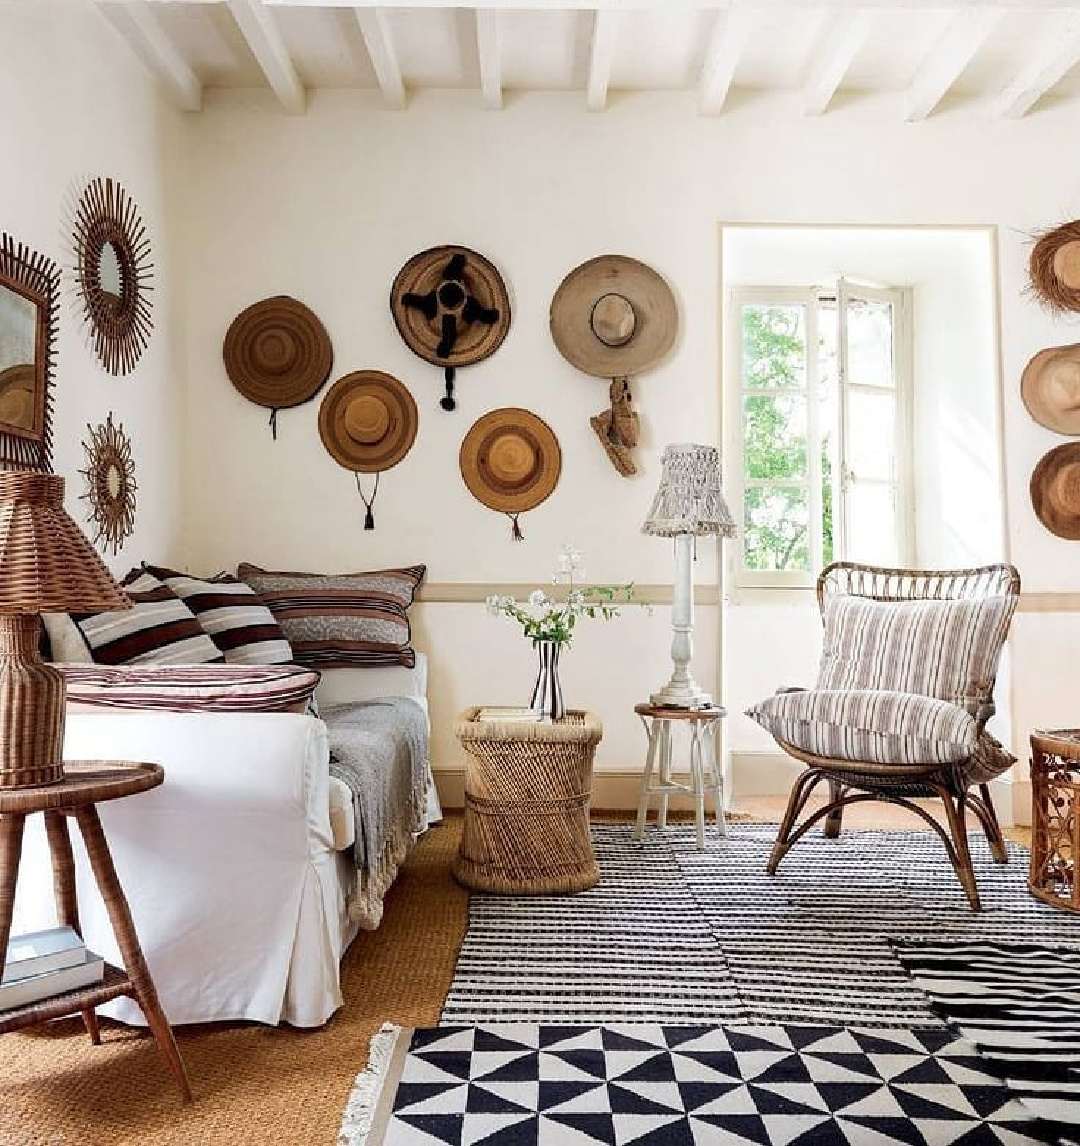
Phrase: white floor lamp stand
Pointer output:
(682, 691)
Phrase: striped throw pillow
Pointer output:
(869, 725)
(350, 620)
(947, 649)
(234, 618)
(159, 629)
(190, 688)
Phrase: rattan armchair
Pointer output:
(960, 785)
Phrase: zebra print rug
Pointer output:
(1019, 1005)
(673, 935)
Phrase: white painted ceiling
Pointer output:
(1008, 59)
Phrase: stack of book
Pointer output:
(509, 716)
(46, 963)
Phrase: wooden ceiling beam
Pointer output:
(138, 24)
(605, 36)
(487, 52)
(844, 34)
(1058, 53)
(963, 37)
(256, 24)
(727, 42)
(375, 28)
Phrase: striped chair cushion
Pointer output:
(869, 725)
(232, 615)
(160, 629)
(190, 688)
(945, 649)
(355, 619)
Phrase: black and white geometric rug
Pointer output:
(538, 1085)
(674, 935)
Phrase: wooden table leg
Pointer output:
(67, 904)
(646, 780)
(134, 962)
(11, 834)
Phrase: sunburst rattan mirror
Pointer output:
(110, 483)
(113, 273)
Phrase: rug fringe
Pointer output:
(364, 1097)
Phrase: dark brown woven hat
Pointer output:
(452, 308)
(510, 460)
(1054, 267)
(368, 421)
(277, 353)
(1055, 490)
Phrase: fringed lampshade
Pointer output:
(47, 565)
(688, 504)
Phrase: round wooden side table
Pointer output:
(85, 783)
(1055, 818)
(705, 773)
(527, 792)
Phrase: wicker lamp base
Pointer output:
(31, 707)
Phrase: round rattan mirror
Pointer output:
(113, 273)
(110, 483)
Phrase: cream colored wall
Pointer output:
(76, 104)
(328, 206)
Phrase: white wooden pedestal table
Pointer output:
(705, 773)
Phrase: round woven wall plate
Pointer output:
(1055, 490)
(424, 277)
(277, 353)
(510, 460)
(1054, 267)
(1050, 388)
(368, 421)
(614, 316)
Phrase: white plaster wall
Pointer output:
(328, 206)
(77, 104)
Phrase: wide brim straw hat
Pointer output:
(1050, 388)
(424, 276)
(510, 460)
(614, 316)
(277, 353)
(368, 421)
(1054, 267)
(1055, 490)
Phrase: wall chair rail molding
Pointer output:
(29, 297)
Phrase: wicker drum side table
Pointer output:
(1055, 818)
(527, 792)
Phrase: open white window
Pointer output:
(820, 440)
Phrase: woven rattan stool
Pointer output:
(527, 792)
(1055, 818)
(705, 774)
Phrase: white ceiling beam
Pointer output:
(844, 34)
(1059, 52)
(487, 51)
(673, 5)
(375, 28)
(727, 41)
(605, 35)
(140, 27)
(266, 43)
(963, 37)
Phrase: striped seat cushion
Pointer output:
(232, 615)
(159, 629)
(869, 725)
(945, 649)
(190, 688)
(353, 619)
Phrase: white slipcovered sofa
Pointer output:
(237, 869)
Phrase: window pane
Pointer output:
(774, 436)
(871, 435)
(774, 346)
(872, 516)
(870, 347)
(776, 529)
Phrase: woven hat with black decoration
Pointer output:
(510, 461)
(451, 307)
(368, 422)
(277, 354)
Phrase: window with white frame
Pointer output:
(821, 424)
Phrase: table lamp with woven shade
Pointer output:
(688, 504)
(47, 565)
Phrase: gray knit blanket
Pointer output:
(379, 748)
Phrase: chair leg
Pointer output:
(955, 808)
(835, 818)
(800, 792)
(988, 818)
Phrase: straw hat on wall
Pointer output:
(1055, 490)
(1050, 388)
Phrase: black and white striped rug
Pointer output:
(673, 935)
(1019, 1004)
